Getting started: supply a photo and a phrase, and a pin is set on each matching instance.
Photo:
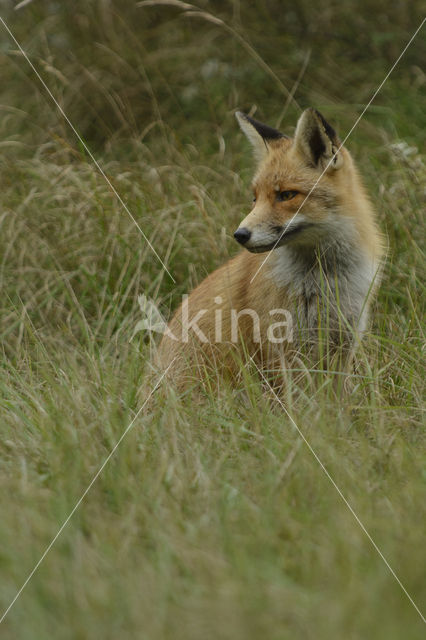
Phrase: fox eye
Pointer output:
(286, 195)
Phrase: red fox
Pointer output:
(309, 267)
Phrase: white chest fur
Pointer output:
(326, 286)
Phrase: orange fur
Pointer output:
(336, 244)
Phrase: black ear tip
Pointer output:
(266, 132)
(327, 127)
(318, 114)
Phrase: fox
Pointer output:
(310, 261)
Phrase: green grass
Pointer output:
(212, 519)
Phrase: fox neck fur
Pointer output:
(328, 285)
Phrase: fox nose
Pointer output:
(242, 235)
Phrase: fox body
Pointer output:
(309, 266)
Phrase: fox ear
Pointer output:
(258, 134)
(318, 141)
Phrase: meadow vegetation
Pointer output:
(213, 519)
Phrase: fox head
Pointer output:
(299, 184)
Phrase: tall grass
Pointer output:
(212, 519)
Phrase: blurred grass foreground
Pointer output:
(212, 519)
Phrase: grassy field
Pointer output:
(213, 519)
